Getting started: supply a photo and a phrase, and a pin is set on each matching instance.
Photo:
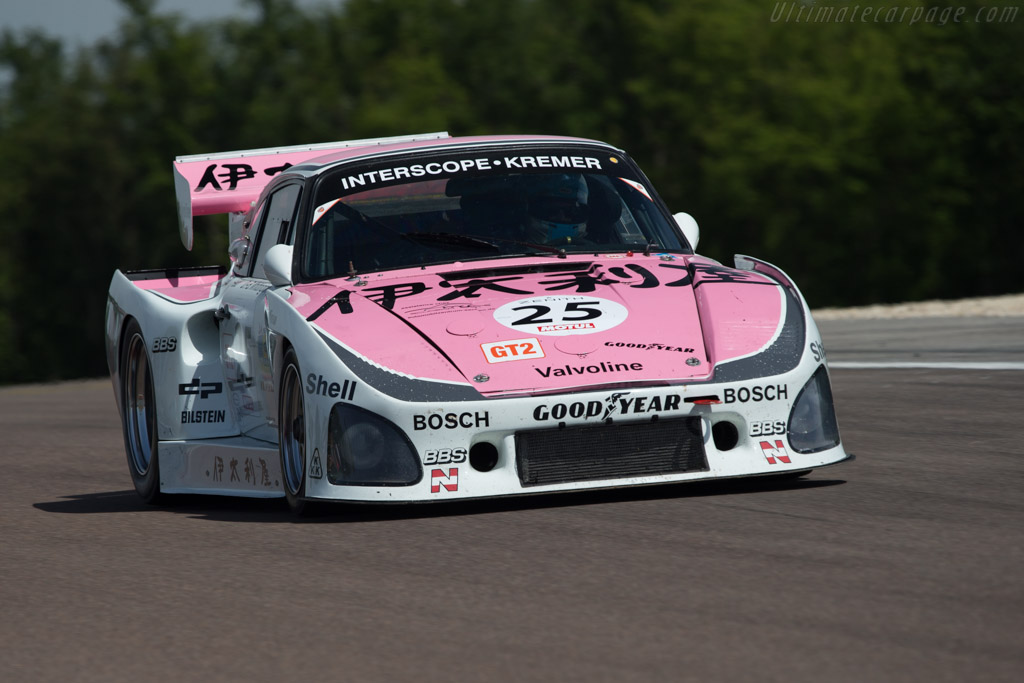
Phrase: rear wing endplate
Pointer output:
(229, 182)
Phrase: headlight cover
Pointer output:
(812, 422)
(364, 449)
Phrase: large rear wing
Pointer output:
(229, 182)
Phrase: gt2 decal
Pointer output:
(516, 349)
(767, 428)
(569, 370)
(818, 351)
(451, 421)
(201, 389)
(164, 344)
(444, 456)
(649, 347)
(442, 479)
(561, 315)
(584, 281)
(317, 385)
(775, 452)
(756, 394)
(619, 402)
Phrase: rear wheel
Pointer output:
(292, 435)
(138, 415)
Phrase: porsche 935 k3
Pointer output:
(426, 318)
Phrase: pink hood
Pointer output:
(537, 325)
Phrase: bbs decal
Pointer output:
(561, 315)
(767, 428)
(444, 456)
(164, 344)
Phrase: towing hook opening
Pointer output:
(725, 435)
(483, 456)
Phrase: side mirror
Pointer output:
(689, 227)
(278, 265)
(238, 250)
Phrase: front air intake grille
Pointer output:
(615, 451)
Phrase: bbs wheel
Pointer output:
(138, 415)
(292, 435)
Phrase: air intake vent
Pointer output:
(616, 451)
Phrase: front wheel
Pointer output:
(292, 435)
(138, 415)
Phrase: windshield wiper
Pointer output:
(546, 248)
(450, 239)
(478, 241)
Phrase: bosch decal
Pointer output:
(756, 394)
(450, 421)
(517, 349)
(444, 479)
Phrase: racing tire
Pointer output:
(138, 415)
(291, 425)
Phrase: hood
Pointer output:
(545, 325)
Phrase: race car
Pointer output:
(430, 318)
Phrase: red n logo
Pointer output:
(449, 481)
(776, 452)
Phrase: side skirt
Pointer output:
(232, 466)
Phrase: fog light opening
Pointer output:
(483, 456)
(726, 435)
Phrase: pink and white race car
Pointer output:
(427, 318)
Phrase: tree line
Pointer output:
(873, 161)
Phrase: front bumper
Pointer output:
(600, 439)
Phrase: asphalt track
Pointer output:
(904, 565)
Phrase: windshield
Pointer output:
(482, 204)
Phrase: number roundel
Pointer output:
(560, 316)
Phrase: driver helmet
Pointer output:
(558, 207)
